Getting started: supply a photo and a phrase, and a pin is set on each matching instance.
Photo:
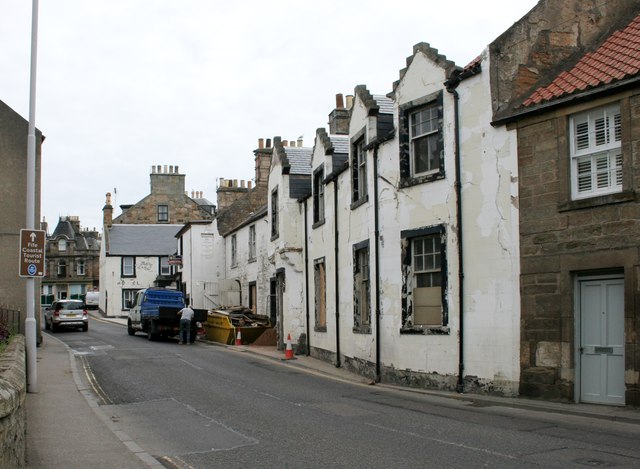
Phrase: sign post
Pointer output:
(32, 247)
(30, 290)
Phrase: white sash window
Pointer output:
(596, 153)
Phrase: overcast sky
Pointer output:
(126, 84)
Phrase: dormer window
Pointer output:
(62, 245)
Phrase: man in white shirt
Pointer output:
(186, 315)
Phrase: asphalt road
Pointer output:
(206, 406)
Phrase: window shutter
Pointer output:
(618, 170)
(582, 135)
(584, 174)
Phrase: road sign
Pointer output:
(32, 244)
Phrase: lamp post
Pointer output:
(30, 320)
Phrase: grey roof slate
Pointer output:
(299, 159)
(64, 228)
(142, 240)
(385, 103)
(340, 143)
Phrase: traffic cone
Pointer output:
(288, 352)
(239, 338)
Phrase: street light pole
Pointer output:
(30, 320)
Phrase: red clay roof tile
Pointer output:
(616, 59)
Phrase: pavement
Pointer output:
(66, 427)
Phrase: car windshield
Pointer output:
(71, 304)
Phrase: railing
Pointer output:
(9, 321)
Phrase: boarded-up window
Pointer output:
(424, 282)
(320, 283)
(427, 280)
(253, 296)
(361, 289)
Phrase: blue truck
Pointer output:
(155, 311)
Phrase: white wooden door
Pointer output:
(602, 341)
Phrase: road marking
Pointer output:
(444, 442)
(93, 382)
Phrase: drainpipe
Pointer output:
(376, 229)
(306, 276)
(336, 257)
(451, 85)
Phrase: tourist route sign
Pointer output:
(32, 253)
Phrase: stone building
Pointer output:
(13, 191)
(138, 244)
(573, 89)
(167, 202)
(73, 262)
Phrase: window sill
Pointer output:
(320, 329)
(318, 223)
(251, 260)
(597, 201)
(409, 181)
(359, 202)
(425, 330)
(362, 330)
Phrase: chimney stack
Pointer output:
(339, 118)
(107, 212)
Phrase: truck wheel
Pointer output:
(130, 330)
(151, 336)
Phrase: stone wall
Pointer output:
(13, 388)
(562, 240)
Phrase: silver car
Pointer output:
(66, 313)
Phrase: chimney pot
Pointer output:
(165, 169)
(285, 143)
(248, 184)
(261, 143)
(170, 169)
(339, 101)
(268, 143)
(176, 168)
(349, 101)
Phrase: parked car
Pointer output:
(66, 313)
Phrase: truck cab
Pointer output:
(155, 311)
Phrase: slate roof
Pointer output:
(384, 103)
(299, 159)
(618, 58)
(340, 144)
(142, 240)
(64, 228)
(84, 240)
